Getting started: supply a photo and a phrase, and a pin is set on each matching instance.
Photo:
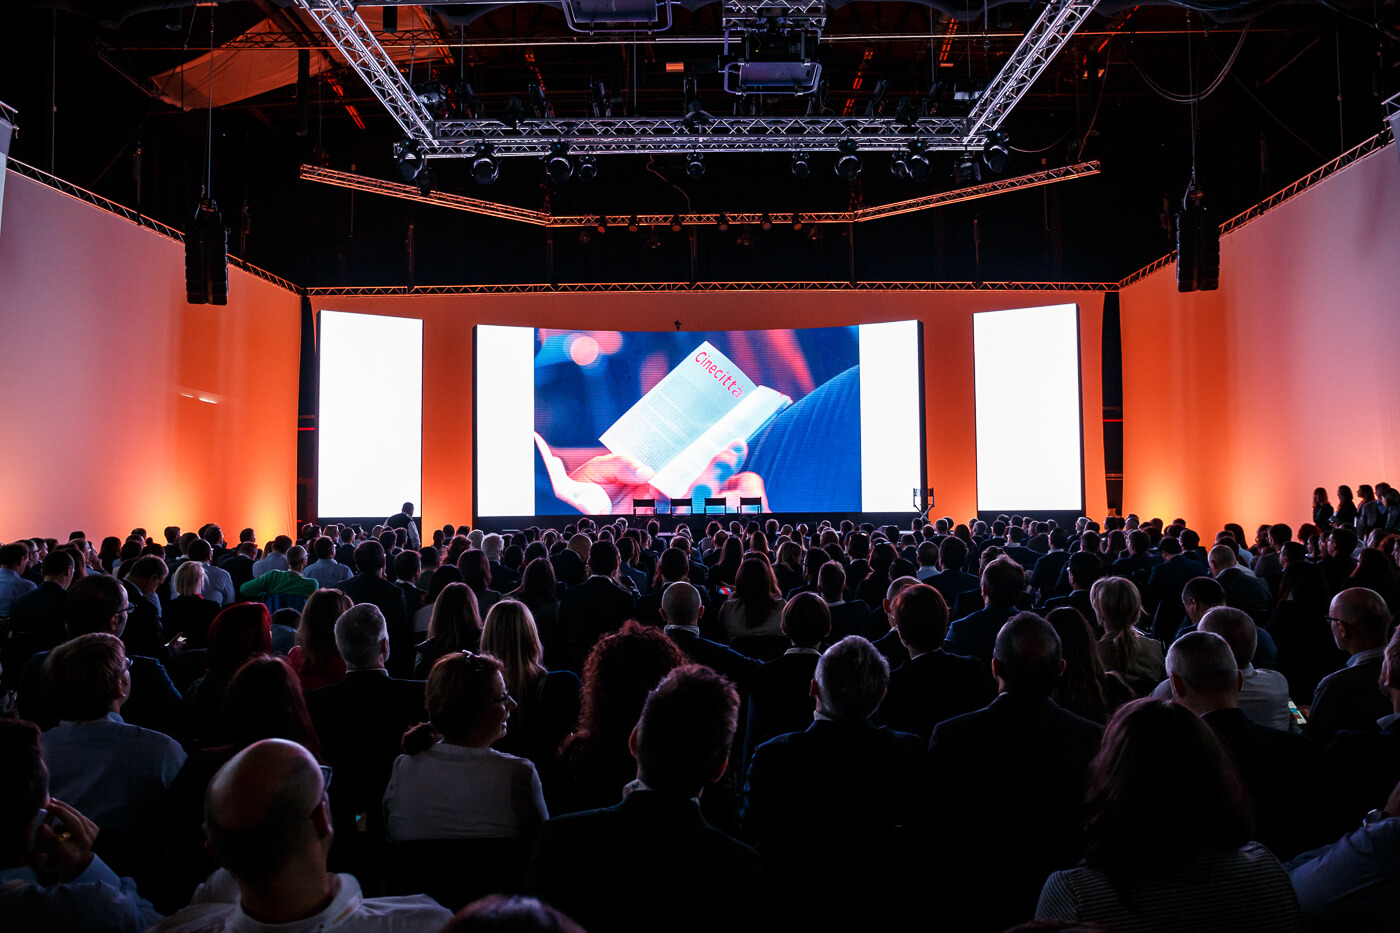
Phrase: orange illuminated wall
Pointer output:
(946, 316)
(1238, 402)
(124, 406)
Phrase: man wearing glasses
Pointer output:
(1351, 698)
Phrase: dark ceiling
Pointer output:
(1307, 84)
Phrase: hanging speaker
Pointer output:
(1197, 247)
(206, 257)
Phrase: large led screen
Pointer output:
(370, 430)
(583, 422)
(1029, 452)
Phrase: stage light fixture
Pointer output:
(634, 224)
(485, 168)
(585, 236)
(722, 224)
(653, 241)
(796, 221)
(966, 170)
(899, 166)
(695, 165)
(997, 151)
(408, 158)
(515, 112)
(676, 224)
(801, 165)
(847, 160)
(917, 161)
(602, 225)
(766, 222)
(587, 168)
(558, 167)
(906, 114)
(744, 239)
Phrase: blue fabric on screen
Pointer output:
(809, 453)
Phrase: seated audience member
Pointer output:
(652, 858)
(1008, 781)
(779, 691)
(143, 634)
(1361, 766)
(1198, 596)
(99, 603)
(240, 632)
(882, 558)
(189, 613)
(1003, 581)
(455, 626)
(840, 786)
(1137, 657)
(620, 671)
(1084, 688)
(1162, 597)
(263, 701)
(360, 721)
(449, 783)
(547, 702)
(315, 658)
(38, 614)
(324, 569)
(1279, 770)
(1264, 694)
(1375, 571)
(1349, 699)
(1354, 883)
(670, 568)
(1168, 828)
(408, 567)
(538, 590)
(444, 577)
(14, 560)
(848, 617)
(476, 573)
(49, 877)
(510, 913)
(113, 772)
(932, 685)
(598, 605)
(283, 588)
(276, 557)
(889, 644)
(1243, 590)
(269, 824)
(239, 564)
(788, 567)
(1082, 571)
(756, 607)
(1046, 573)
(681, 613)
(369, 586)
(218, 585)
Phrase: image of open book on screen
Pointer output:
(690, 416)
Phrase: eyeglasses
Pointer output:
(1337, 620)
(503, 698)
(326, 773)
(129, 662)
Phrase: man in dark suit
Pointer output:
(932, 685)
(1009, 783)
(37, 616)
(889, 644)
(360, 721)
(598, 605)
(681, 611)
(973, 636)
(848, 617)
(1278, 768)
(780, 697)
(345, 550)
(503, 579)
(1162, 600)
(672, 567)
(840, 787)
(1082, 569)
(653, 860)
(369, 586)
(239, 564)
(143, 633)
(1045, 572)
(1016, 548)
(950, 580)
(1137, 566)
(1362, 767)
(1349, 698)
(1243, 590)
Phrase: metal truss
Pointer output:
(1355, 154)
(542, 219)
(633, 135)
(345, 27)
(585, 287)
(1043, 41)
(741, 14)
(8, 113)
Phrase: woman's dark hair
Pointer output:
(730, 559)
(456, 620)
(1080, 688)
(1374, 570)
(316, 630)
(1344, 493)
(130, 551)
(443, 577)
(620, 671)
(239, 632)
(476, 570)
(110, 551)
(756, 590)
(1161, 789)
(455, 547)
(537, 584)
(1320, 495)
(460, 687)
(1237, 532)
(264, 701)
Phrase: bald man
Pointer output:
(681, 610)
(1351, 698)
(268, 823)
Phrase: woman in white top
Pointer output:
(756, 606)
(449, 783)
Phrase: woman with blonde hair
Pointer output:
(316, 659)
(548, 700)
(455, 626)
(189, 613)
(1138, 658)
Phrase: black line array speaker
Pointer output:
(206, 257)
(1197, 250)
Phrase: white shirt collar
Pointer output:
(692, 629)
(796, 649)
(1361, 657)
(1385, 721)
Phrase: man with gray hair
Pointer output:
(1263, 694)
(840, 787)
(1009, 781)
(360, 721)
(1278, 769)
(503, 579)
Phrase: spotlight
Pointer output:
(408, 158)
(899, 166)
(966, 170)
(906, 114)
(796, 221)
(676, 223)
(723, 223)
(766, 222)
(634, 224)
(997, 151)
(515, 112)
(847, 160)
(585, 236)
(917, 161)
(695, 165)
(559, 168)
(801, 165)
(653, 241)
(587, 168)
(602, 225)
(744, 239)
(485, 168)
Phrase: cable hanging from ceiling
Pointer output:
(1205, 92)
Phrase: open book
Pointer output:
(690, 416)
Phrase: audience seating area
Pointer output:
(617, 725)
